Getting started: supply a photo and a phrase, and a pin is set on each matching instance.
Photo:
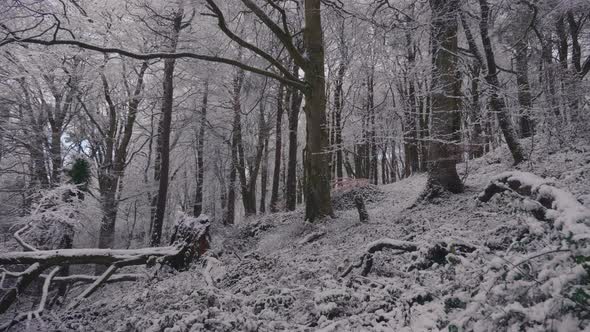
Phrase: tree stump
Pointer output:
(359, 202)
(194, 234)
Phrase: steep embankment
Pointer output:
(278, 273)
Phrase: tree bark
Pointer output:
(411, 128)
(112, 164)
(295, 106)
(443, 151)
(274, 198)
(316, 164)
(338, 107)
(230, 213)
(254, 169)
(198, 205)
(164, 128)
(524, 90)
(373, 166)
(497, 103)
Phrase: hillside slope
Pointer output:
(278, 273)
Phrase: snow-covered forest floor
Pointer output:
(270, 274)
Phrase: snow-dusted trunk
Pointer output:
(443, 151)
(109, 205)
(477, 115)
(524, 91)
(56, 159)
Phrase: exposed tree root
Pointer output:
(366, 259)
(434, 253)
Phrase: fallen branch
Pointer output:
(89, 256)
(191, 240)
(83, 278)
(39, 311)
(24, 280)
(18, 238)
(312, 237)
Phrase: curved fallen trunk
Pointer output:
(545, 201)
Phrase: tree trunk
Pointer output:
(274, 197)
(164, 134)
(56, 160)
(109, 202)
(443, 151)
(338, 107)
(423, 132)
(293, 115)
(255, 167)
(477, 115)
(384, 171)
(198, 205)
(316, 164)
(230, 214)
(562, 45)
(411, 129)
(497, 103)
(237, 152)
(524, 91)
(264, 177)
(373, 167)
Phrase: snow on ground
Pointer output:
(267, 277)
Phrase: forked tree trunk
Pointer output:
(496, 102)
(443, 151)
(113, 165)
(164, 134)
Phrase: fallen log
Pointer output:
(545, 201)
(188, 244)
